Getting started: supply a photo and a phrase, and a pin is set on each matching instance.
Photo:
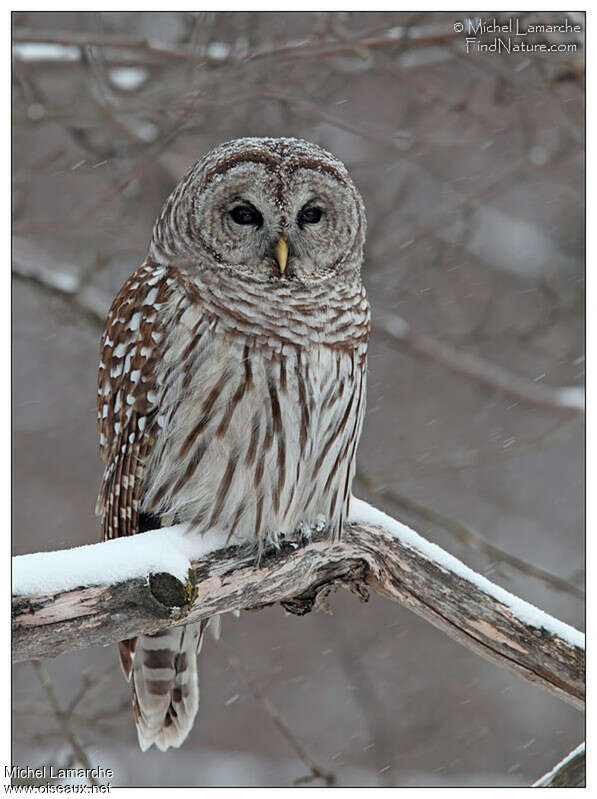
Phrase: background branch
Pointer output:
(63, 718)
(564, 399)
(316, 771)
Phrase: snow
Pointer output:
(128, 78)
(28, 262)
(165, 550)
(171, 550)
(45, 51)
(572, 397)
(148, 132)
(361, 511)
(547, 777)
(219, 51)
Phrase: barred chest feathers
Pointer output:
(258, 421)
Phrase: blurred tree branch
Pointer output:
(566, 399)
(420, 37)
(63, 717)
(316, 772)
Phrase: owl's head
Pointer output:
(272, 209)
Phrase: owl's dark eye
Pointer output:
(309, 216)
(246, 215)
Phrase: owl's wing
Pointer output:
(131, 345)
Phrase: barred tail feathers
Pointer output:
(165, 684)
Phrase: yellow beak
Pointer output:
(281, 251)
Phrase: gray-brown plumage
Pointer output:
(232, 376)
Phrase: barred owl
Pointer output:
(232, 377)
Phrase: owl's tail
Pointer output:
(163, 671)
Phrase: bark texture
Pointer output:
(300, 578)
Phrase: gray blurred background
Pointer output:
(472, 171)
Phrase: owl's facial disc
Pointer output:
(286, 224)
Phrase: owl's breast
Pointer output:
(252, 439)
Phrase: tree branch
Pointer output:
(62, 601)
(423, 36)
(568, 773)
(467, 535)
(316, 771)
(566, 399)
(64, 720)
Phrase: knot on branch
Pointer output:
(167, 589)
(178, 597)
(316, 597)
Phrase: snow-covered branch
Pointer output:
(568, 773)
(106, 592)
